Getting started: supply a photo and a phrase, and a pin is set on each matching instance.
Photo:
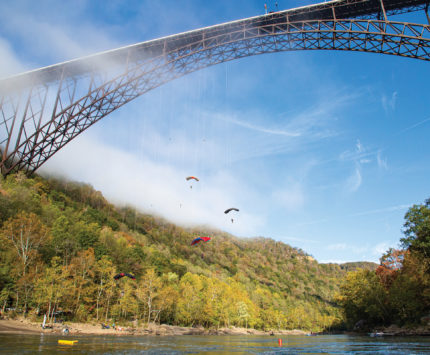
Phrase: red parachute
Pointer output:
(200, 239)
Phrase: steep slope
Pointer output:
(243, 281)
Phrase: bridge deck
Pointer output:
(340, 9)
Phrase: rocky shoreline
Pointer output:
(394, 330)
(25, 326)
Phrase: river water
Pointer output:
(294, 344)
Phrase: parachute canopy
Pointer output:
(200, 239)
(122, 274)
(192, 177)
(231, 209)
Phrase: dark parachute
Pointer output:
(122, 274)
(231, 209)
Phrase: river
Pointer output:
(237, 344)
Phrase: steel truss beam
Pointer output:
(55, 111)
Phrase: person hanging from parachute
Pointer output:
(228, 210)
(200, 239)
(120, 276)
(188, 178)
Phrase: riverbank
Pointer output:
(25, 326)
(404, 331)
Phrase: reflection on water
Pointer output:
(332, 344)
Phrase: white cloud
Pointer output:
(67, 35)
(295, 239)
(359, 154)
(382, 163)
(359, 147)
(414, 125)
(155, 187)
(354, 181)
(389, 103)
(337, 246)
(264, 129)
(380, 249)
(9, 62)
(382, 210)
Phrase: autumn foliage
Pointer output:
(398, 291)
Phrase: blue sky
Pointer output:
(323, 150)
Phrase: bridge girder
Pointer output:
(42, 111)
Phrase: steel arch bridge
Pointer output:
(42, 110)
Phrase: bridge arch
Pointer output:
(58, 103)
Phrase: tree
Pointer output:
(51, 287)
(363, 298)
(190, 305)
(391, 263)
(81, 269)
(105, 284)
(23, 194)
(417, 229)
(168, 298)
(148, 290)
(242, 312)
(88, 234)
(127, 302)
(409, 294)
(63, 238)
(26, 233)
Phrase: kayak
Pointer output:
(67, 342)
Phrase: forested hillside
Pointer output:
(62, 243)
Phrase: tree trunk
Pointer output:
(98, 297)
(17, 300)
(49, 307)
(149, 309)
(107, 310)
(53, 310)
(77, 301)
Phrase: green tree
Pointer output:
(88, 234)
(26, 233)
(105, 272)
(409, 294)
(363, 298)
(82, 271)
(190, 305)
(148, 291)
(417, 229)
(52, 287)
(63, 238)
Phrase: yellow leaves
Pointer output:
(53, 286)
(26, 233)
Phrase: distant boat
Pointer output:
(376, 334)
